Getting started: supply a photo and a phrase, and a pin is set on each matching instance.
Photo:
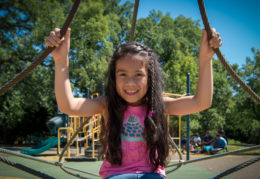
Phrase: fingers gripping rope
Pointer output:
(41, 58)
(220, 56)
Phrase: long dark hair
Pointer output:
(155, 126)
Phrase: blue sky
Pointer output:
(237, 21)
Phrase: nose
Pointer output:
(130, 81)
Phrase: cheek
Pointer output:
(144, 83)
(118, 85)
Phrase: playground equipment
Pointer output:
(53, 124)
(89, 132)
(59, 120)
(64, 127)
(45, 145)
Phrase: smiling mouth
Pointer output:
(131, 93)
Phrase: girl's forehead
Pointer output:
(131, 61)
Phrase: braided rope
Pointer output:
(236, 168)
(41, 58)
(25, 168)
(134, 20)
(43, 161)
(25, 156)
(65, 149)
(173, 144)
(71, 173)
(220, 56)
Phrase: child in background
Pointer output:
(196, 140)
(207, 139)
(135, 132)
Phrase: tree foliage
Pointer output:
(244, 121)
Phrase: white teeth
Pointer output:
(131, 91)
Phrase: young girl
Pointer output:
(135, 134)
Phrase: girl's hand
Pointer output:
(206, 47)
(62, 45)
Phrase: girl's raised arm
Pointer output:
(203, 97)
(66, 101)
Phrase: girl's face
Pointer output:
(131, 79)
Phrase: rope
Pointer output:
(42, 160)
(72, 138)
(172, 143)
(134, 20)
(236, 168)
(41, 58)
(65, 149)
(220, 56)
(216, 156)
(73, 174)
(25, 168)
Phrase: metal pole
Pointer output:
(103, 89)
(188, 121)
(87, 93)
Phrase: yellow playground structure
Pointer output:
(179, 121)
(91, 132)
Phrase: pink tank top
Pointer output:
(135, 152)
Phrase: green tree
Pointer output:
(244, 123)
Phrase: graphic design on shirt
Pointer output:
(132, 130)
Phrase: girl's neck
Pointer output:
(138, 107)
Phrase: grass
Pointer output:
(236, 145)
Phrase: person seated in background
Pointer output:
(192, 147)
(183, 143)
(219, 144)
(196, 140)
(222, 134)
(207, 139)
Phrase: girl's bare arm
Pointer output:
(203, 97)
(67, 103)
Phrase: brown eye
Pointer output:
(122, 74)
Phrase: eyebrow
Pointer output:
(121, 70)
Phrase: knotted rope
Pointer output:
(26, 169)
(220, 56)
(134, 20)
